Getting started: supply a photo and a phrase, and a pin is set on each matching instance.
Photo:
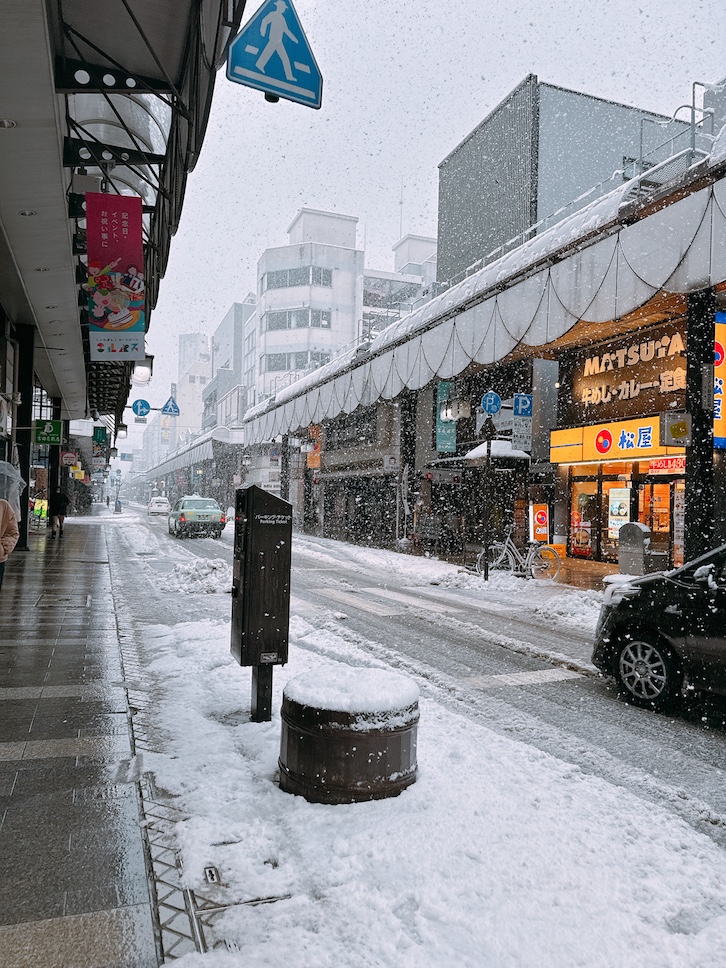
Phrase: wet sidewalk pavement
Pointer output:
(80, 852)
(74, 871)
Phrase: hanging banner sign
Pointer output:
(48, 432)
(719, 377)
(445, 429)
(116, 299)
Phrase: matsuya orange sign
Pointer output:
(619, 440)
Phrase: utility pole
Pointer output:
(700, 504)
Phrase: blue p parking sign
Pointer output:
(491, 402)
(522, 404)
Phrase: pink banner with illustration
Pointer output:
(116, 298)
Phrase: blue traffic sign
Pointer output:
(491, 402)
(522, 404)
(141, 407)
(272, 54)
(170, 408)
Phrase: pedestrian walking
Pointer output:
(11, 485)
(58, 509)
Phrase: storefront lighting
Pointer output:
(122, 431)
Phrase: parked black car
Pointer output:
(664, 632)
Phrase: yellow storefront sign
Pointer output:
(619, 440)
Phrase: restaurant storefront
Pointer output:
(616, 470)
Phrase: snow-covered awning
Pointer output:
(500, 448)
(598, 265)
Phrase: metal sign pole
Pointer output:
(489, 433)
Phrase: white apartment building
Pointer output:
(309, 299)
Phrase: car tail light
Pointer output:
(223, 519)
(182, 518)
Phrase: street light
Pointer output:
(122, 431)
(143, 370)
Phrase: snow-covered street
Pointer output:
(546, 826)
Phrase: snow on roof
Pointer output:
(580, 225)
(500, 448)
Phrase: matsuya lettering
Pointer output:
(652, 349)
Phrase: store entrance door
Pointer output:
(655, 510)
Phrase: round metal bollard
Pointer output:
(348, 735)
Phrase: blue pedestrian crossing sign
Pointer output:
(272, 54)
(170, 408)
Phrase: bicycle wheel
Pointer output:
(545, 563)
(499, 559)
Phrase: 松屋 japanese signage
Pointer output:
(643, 374)
(719, 376)
(115, 287)
(619, 440)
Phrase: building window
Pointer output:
(277, 320)
(202, 380)
(322, 277)
(299, 361)
(274, 362)
(192, 379)
(300, 276)
(321, 318)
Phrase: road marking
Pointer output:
(357, 601)
(533, 678)
(413, 600)
(459, 599)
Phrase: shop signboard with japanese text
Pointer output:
(539, 522)
(622, 440)
(644, 372)
(99, 458)
(445, 429)
(115, 287)
(719, 376)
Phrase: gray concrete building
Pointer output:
(541, 151)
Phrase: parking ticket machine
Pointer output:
(261, 590)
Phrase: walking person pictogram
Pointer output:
(275, 22)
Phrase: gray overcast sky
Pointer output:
(403, 84)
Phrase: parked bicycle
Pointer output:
(536, 561)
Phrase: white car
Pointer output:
(158, 505)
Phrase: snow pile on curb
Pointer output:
(200, 576)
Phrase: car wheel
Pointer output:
(171, 530)
(647, 673)
(216, 534)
